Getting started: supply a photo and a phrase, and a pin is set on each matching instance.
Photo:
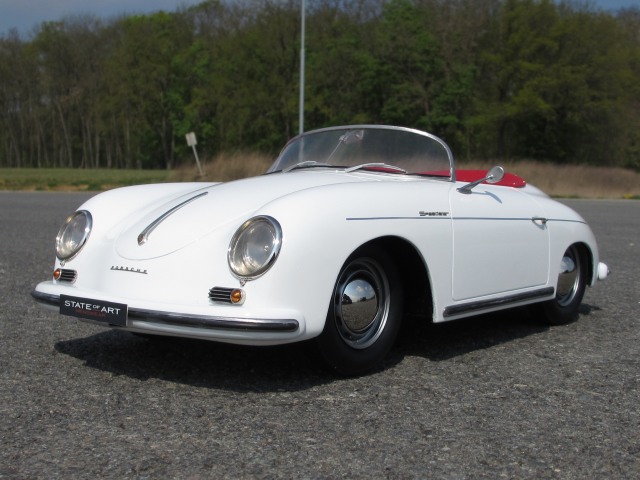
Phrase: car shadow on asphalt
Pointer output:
(441, 342)
(285, 367)
(444, 341)
(200, 363)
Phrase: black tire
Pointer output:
(572, 282)
(359, 332)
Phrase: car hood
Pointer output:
(172, 224)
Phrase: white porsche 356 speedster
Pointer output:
(350, 228)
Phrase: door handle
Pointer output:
(540, 220)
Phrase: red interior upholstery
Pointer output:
(509, 180)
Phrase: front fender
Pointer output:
(323, 227)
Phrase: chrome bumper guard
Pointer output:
(196, 321)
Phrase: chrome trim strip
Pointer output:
(568, 220)
(512, 219)
(497, 302)
(351, 219)
(198, 321)
(493, 219)
(144, 235)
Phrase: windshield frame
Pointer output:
(351, 135)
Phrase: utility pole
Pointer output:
(302, 39)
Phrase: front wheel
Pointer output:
(364, 314)
(572, 282)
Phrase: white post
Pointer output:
(192, 142)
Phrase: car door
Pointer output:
(500, 242)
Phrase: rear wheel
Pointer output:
(364, 315)
(572, 282)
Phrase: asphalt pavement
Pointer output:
(497, 396)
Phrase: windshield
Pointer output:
(371, 148)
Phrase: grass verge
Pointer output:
(76, 179)
(566, 181)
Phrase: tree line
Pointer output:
(534, 79)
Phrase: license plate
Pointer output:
(98, 310)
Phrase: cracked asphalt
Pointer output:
(497, 396)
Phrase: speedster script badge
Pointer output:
(96, 310)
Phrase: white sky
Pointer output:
(24, 15)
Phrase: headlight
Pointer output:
(73, 235)
(255, 247)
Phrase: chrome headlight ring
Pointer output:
(73, 235)
(254, 247)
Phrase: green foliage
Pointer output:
(496, 78)
(555, 84)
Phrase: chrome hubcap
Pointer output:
(361, 303)
(569, 277)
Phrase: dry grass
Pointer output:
(569, 181)
(572, 181)
(225, 167)
(579, 181)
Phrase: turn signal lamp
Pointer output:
(237, 296)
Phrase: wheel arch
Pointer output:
(413, 272)
(588, 253)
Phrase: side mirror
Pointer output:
(493, 176)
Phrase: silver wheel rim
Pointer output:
(361, 303)
(569, 277)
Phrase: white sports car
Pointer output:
(349, 229)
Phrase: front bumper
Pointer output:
(251, 331)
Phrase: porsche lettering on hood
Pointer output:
(173, 225)
(121, 268)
